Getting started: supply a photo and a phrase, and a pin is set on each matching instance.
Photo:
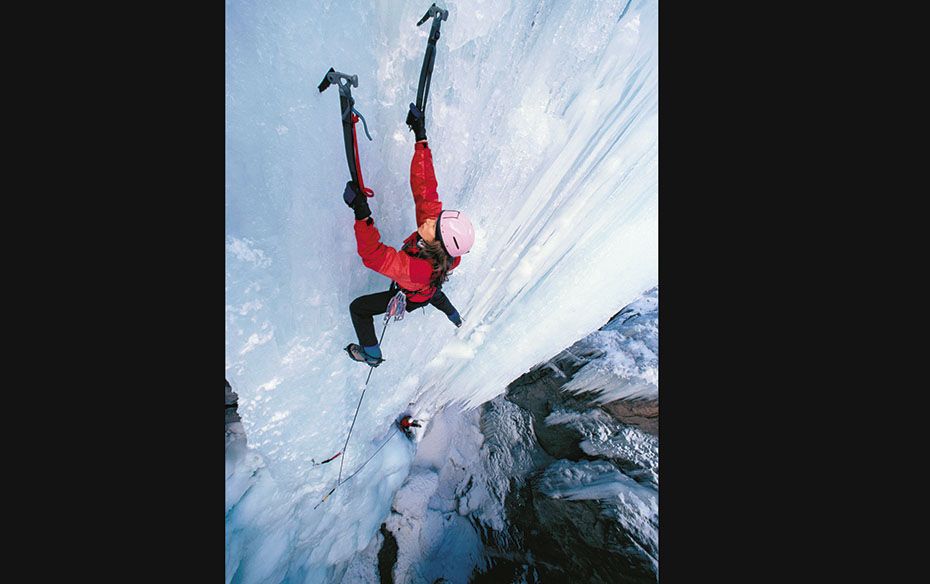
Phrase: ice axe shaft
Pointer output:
(426, 71)
(350, 116)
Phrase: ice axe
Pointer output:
(349, 116)
(426, 71)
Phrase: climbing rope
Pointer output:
(370, 370)
(396, 308)
(338, 483)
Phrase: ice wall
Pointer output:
(542, 120)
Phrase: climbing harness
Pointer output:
(350, 116)
(396, 307)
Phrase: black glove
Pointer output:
(416, 122)
(455, 318)
(355, 198)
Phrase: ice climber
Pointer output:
(425, 259)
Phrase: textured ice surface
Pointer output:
(542, 119)
(457, 489)
(624, 354)
(430, 512)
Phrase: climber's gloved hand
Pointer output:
(355, 198)
(350, 193)
(416, 122)
(456, 318)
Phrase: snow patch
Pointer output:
(270, 385)
(243, 249)
(256, 340)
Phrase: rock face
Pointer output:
(587, 509)
(232, 405)
(235, 432)
(643, 414)
(238, 477)
(540, 392)
(554, 481)
(559, 539)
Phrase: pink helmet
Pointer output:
(455, 232)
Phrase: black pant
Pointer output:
(364, 308)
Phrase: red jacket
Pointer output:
(410, 272)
